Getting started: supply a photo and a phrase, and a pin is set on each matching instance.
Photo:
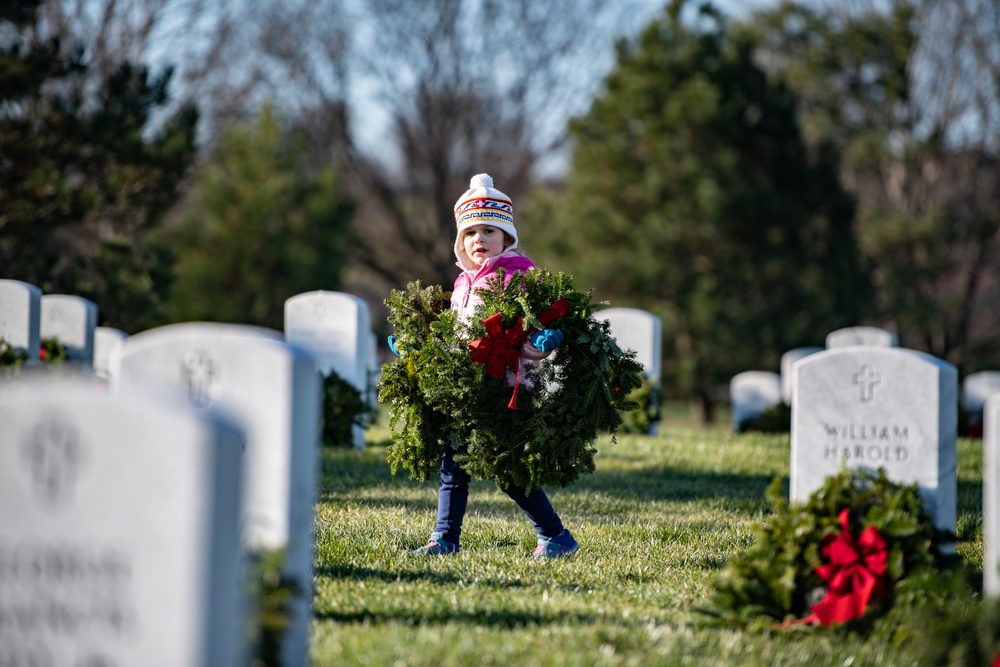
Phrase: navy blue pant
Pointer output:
(453, 499)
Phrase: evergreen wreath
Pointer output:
(50, 351)
(437, 393)
(343, 408)
(786, 573)
(640, 420)
(10, 355)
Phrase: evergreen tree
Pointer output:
(83, 183)
(692, 194)
(887, 84)
(264, 226)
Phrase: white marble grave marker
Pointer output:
(274, 388)
(639, 330)
(977, 388)
(71, 320)
(750, 394)
(20, 316)
(106, 341)
(119, 535)
(788, 360)
(991, 496)
(853, 336)
(336, 329)
(877, 407)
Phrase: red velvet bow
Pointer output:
(499, 349)
(853, 571)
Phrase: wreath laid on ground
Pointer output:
(452, 381)
(844, 556)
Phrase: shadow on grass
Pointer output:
(347, 473)
(359, 574)
(510, 620)
(670, 484)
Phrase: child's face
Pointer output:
(482, 242)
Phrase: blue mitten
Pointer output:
(392, 345)
(546, 340)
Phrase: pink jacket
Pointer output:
(464, 297)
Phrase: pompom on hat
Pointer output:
(482, 204)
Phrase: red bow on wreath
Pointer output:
(499, 349)
(853, 571)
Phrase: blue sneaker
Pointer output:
(556, 547)
(437, 547)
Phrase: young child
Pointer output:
(486, 242)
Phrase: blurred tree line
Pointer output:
(756, 181)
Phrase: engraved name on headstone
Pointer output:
(119, 535)
(877, 407)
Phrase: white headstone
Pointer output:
(642, 331)
(977, 388)
(751, 393)
(335, 328)
(877, 407)
(106, 341)
(854, 336)
(119, 535)
(274, 387)
(788, 360)
(20, 316)
(71, 320)
(991, 496)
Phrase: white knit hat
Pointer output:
(482, 204)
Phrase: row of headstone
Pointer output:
(27, 317)
(119, 538)
(873, 405)
(641, 331)
(863, 402)
(202, 485)
(188, 492)
(751, 393)
(336, 328)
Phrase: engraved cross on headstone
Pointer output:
(52, 454)
(867, 377)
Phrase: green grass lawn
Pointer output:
(655, 522)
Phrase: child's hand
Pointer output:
(392, 345)
(546, 340)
